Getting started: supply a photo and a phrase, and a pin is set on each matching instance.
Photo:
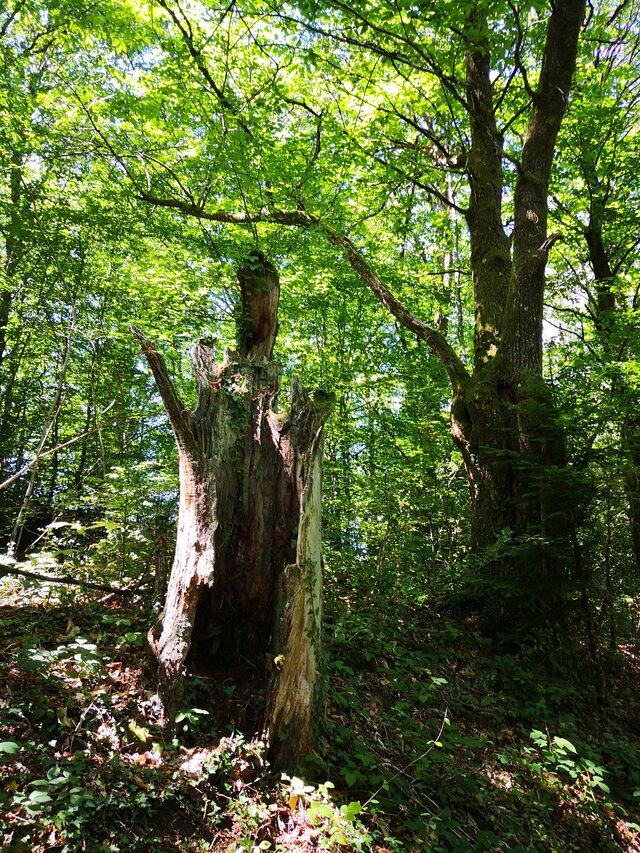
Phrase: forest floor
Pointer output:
(432, 739)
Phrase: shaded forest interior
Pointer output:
(319, 426)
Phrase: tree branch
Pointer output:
(10, 18)
(425, 61)
(65, 579)
(186, 32)
(517, 58)
(279, 217)
(428, 188)
(436, 342)
(54, 450)
(176, 409)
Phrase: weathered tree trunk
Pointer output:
(244, 592)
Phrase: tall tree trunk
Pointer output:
(244, 591)
(503, 417)
(605, 315)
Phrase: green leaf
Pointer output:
(564, 744)
(350, 776)
(319, 810)
(351, 810)
(10, 747)
(538, 737)
(40, 797)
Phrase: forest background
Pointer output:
(450, 198)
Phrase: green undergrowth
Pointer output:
(85, 764)
(453, 744)
(431, 739)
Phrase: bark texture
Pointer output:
(244, 590)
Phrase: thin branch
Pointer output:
(294, 102)
(65, 579)
(448, 81)
(433, 137)
(428, 188)
(505, 89)
(428, 63)
(186, 31)
(517, 58)
(11, 17)
(56, 449)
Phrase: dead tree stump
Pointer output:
(245, 586)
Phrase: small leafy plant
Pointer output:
(560, 754)
(339, 827)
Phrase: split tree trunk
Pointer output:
(245, 588)
(503, 415)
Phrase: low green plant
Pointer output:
(80, 654)
(340, 825)
(561, 757)
(190, 719)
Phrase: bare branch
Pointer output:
(176, 409)
(65, 579)
(56, 449)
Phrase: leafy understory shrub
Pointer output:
(331, 825)
(561, 759)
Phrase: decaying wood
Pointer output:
(258, 314)
(244, 591)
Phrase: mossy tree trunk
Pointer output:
(503, 414)
(524, 498)
(244, 593)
